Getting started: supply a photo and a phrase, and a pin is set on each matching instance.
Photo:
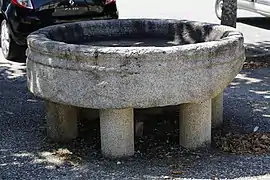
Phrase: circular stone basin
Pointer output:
(117, 65)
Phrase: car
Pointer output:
(21, 17)
(257, 6)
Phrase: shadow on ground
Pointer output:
(248, 101)
(26, 153)
(257, 51)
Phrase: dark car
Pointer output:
(21, 17)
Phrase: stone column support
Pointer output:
(217, 111)
(117, 132)
(61, 121)
(195, 124)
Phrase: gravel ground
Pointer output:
(26, 153)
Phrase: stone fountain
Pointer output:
(118, 65)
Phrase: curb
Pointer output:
(254, 51)
(256, 56)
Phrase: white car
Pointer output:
(258, 6)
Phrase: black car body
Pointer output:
(21, 17)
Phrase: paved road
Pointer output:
(200, 10)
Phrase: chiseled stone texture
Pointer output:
(199, 63)
(117, 132)
(217, 111)
(61, 121)
(195, 124)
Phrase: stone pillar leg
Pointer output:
(117, 132)
(61, 121)
(217, 111)
(195, 124)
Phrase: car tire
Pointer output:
(115, 15)
(218, 8)
(10, 50)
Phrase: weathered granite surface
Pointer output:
(195, 62)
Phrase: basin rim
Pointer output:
(38, 41)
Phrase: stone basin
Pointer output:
(118, 65)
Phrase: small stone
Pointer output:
(9, 113)
(264, 137)
(255, 129)
(177, 172)
(166, 177)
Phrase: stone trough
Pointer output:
(118, 65)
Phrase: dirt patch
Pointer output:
(256, 143)
(256, 59)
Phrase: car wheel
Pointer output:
(115, 15)
(218, 8)
(10, 49)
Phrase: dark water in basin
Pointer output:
(138, 42)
